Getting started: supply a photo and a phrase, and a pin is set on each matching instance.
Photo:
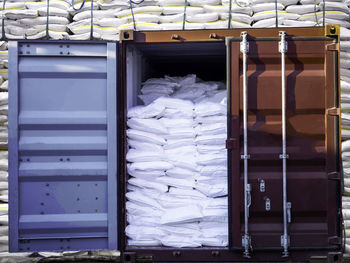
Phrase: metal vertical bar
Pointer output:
(13, 112)
(324, 13)
(112, 144)
(244, 48)
(284, 156)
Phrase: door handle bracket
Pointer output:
(333, 111)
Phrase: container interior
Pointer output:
(144, 61)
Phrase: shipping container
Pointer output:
(68, 103)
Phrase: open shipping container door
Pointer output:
(62, 146)
(313, 207)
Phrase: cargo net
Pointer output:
(177, 164)
(103, 19)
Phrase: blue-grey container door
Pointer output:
(62, 146)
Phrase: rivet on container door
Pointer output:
(267, 203)
(176, 253)
(215, 253)
(175, 37)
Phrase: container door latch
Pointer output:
(244, 49)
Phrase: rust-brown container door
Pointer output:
(313, 178)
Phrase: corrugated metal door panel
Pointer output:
(62, 146)
(313, 179)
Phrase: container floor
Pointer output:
(95, 257)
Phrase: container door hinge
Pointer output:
(285, 240)
(333, 176)
(333, 47)
(231, 144)
(335, 240)
(333, 111)
(246, 243)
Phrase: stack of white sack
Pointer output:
(241, 15)
(3, 120)
(269, 13)
(35, 20)
(141, 17)
(346, 166)
(346, 219)
(196, 15)
(3, 224)
(345, 81)
(177, 165)
(109, 17)
(97, 24)
(3, 177)
(3, 201)
(3, 66)
(52, 20)
(3, 147)
(11, 12)
(345, 124)
(330, 12)
(3, 96)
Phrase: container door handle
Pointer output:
(246, 242)
(282, 48)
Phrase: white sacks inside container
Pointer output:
(176, 150)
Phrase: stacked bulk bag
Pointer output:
(345, 124)
(239, 15)
(35, 20)
(345, 81)
(103, 19)
(3, 147)
(11, 11)
(3, 223)
(328, 12)
(51, 22)
(140, 18)
(3, 95)
(267, 13)
(176, 153)
(85, 21)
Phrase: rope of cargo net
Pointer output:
(315, 11)
(131, 2)
(47, 19)
(276, 13)
(91, 18)
(230, 15)
(324, 12)
(184, 19)
(3, 38)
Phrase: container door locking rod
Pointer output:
(285, 239)
(246, 241)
